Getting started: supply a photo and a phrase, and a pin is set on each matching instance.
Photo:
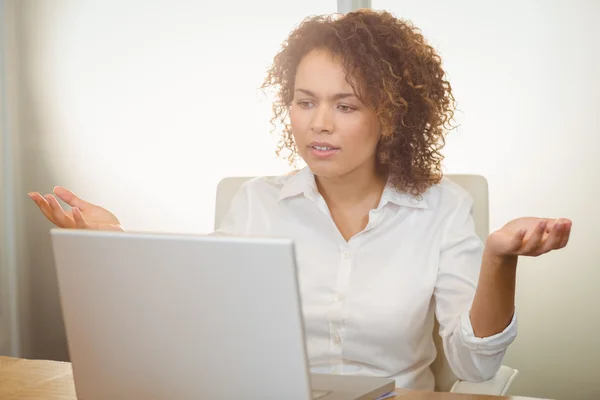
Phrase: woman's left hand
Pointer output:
(529, 236)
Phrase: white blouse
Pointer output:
(369, 303)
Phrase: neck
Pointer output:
(353, 187)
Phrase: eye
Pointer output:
(305, 104)
(345, 109)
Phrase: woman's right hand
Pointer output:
(83, 215)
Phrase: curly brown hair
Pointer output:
(392, 69)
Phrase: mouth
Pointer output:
(323, 150)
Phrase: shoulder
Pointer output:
(450, 195)
(261, 187)
(460, 205)
(244, 204)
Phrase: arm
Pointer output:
(494, 301)
(460, 276)
(475, 288)
(236, 221)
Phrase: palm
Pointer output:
(84, 215)
(97, 215)
(530, 236)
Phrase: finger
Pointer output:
(43, 205)
(535, 240)
(80, 222)
(517, 240)
(70, 198)
(59, 214)
(554, 238)
(566, 234)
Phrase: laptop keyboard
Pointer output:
(317, 394)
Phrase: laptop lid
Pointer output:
(158, 316)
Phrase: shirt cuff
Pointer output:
(488, 345)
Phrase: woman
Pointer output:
(384, 242)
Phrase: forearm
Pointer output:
(494, 303)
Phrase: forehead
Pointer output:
(322, 73)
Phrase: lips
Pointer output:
(323, 150)
(323, 146)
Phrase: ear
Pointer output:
(385, 133)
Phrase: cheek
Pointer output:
(363, 137)
(297, 116)
(298, 126)
(365, 147)
(293, 119)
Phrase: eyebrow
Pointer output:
(336, 96)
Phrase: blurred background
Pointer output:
(143, 106)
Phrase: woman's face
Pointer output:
(335, 133)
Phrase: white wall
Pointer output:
(526, 77)
(145, 105)
(141, 106)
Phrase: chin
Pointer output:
(326, 169)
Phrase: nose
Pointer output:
(322, 121)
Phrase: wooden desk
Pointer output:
(50, 380)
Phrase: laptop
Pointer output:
(165, 316)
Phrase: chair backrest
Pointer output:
(477, 188)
